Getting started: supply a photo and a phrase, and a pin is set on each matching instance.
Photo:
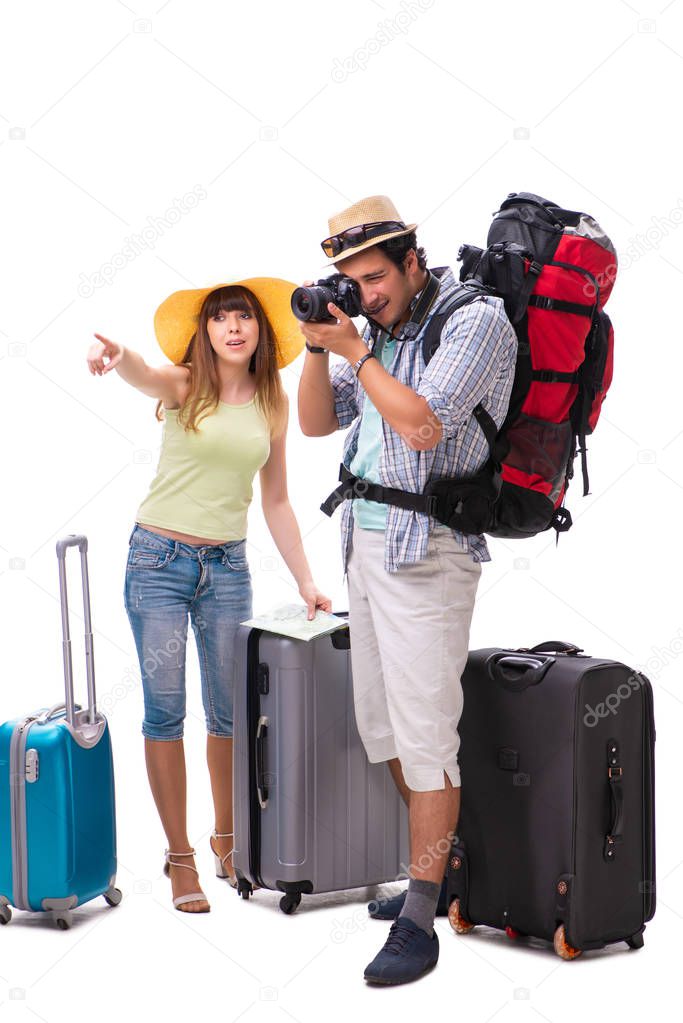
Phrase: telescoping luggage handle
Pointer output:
(76, 540)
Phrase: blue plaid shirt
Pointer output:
(475, 362)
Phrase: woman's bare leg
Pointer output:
(219, 760)
(166, 772)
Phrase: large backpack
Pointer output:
(554, 270)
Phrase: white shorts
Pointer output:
(409, 642)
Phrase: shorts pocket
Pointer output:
(236, 560)
(235, 556)
(145, 557)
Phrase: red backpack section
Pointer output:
(554, 269)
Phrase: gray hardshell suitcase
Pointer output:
(311, 813)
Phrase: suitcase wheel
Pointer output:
(113, 896)
(244, 887)
(63, 920)
(5, 914)
(457, 921)
(289, 902)
(560, 945)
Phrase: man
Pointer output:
(412, 580)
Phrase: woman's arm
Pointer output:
(282, 523)
(165, 382)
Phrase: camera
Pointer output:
(311, 303)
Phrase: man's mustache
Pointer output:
(368, 312)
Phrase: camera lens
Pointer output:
(311, 303)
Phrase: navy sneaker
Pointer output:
(408, 953)
(389, 909)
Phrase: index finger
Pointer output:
(337, 312)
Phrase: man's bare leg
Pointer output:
(397, 775)
(433, 820)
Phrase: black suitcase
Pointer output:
(556, 832)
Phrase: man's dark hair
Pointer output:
(398, 248)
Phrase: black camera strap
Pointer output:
(422, 307)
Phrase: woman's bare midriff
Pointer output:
(182, 537)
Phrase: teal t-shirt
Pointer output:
(371, 514)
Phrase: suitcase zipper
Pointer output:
(18, 812)
(253, 716)
(649, 735)
(579, 270)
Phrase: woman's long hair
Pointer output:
(200, 358)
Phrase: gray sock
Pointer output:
(420, 904)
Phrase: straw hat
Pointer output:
(176, 319)
(375, 209)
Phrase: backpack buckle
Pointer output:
(431, 505)
(543, 302)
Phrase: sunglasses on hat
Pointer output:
(353, 236)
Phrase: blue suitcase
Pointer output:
(57, 819)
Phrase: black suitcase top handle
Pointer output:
(518, 671)
(556, 646)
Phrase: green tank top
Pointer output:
(203, 484)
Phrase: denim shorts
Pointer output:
(167, 582)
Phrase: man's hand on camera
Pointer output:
(341, 337)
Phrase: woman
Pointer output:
(225, 416)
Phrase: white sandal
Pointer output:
(193, 896)
(220, 860)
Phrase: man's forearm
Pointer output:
(406, 412)
(315, 399)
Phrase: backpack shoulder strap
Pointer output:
(463, 295)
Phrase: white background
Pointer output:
(282, 115)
